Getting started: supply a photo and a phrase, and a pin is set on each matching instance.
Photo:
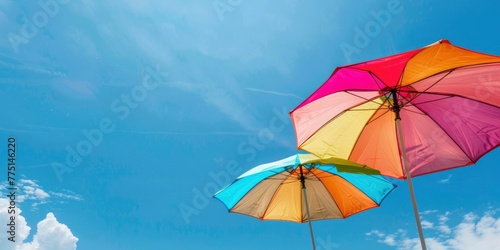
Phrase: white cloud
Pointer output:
(444, 229)
(473, 232)
(28, 182)
(442, 223)
(431, 243)
(485, 234)
(444, 217)
(50, 234)
(29, 190)
(40, 194)
(427, 224)
(389, 240)
(33, 193)
(22, 228)
(375, 232)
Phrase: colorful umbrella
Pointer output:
(336, 188)
(444, 100)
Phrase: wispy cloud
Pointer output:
(35, 166)
(29, 191)
(428, 212)
(231, 105)
(67, 196)
(446, 180)
(13, 63)
(274, 93)
(166, 41)
(73, 90)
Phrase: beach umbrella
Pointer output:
(304, 188)
(409, 114)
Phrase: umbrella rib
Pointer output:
(274, 196)
(452, 69)
(434, 84)
(413, 104)
(418, 93)
(445, 96)
(347, 91)
(373, 75)
(317, 90)
(444, 131)
(303, 198)
(374, 119)
(360, 97)
(258, 183)
(385, 101)
(400, 84)
(333, 198)
(366, 109)
(378, 204)
(333, 118)
(414, 112)
(358, 189)
(364, 126)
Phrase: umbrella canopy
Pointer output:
(277, 191)
(409, 114)
(336, 188)
(447, 97)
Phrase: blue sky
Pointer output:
(211, 84)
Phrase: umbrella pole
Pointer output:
(303, 180)
(396, 108)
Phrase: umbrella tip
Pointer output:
(439, 42)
